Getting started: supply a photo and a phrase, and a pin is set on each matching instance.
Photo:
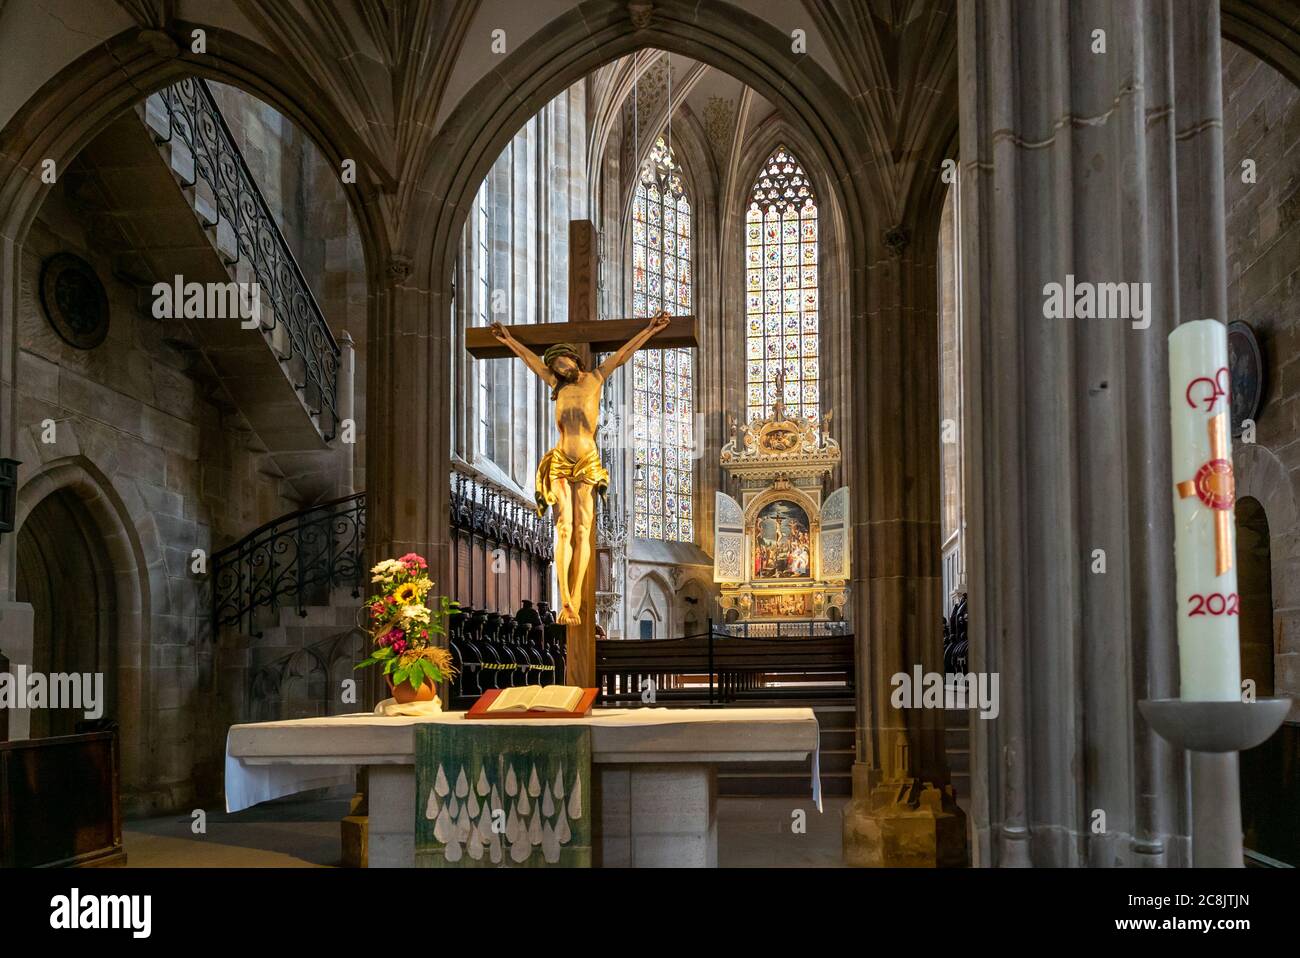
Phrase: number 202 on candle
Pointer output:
(1216, 603)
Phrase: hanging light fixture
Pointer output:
(8, 494)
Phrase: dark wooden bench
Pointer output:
(721, 669)
(59, 803)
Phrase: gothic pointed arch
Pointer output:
(782, 288)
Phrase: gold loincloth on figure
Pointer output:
(556, 465)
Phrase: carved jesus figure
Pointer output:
(572, 470)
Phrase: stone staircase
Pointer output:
(956, 745)
(838, 740)
(131, 184)
(836, 723)
(296, 666)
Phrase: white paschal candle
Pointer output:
(1205, 539)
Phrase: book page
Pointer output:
(515, 700)
(558, 698)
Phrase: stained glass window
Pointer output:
(662, 397)
(781, 295)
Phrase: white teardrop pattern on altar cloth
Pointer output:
(559, 783)
(442, 828)
(462, 784)
(562, 831)
(494, 849)
(431, 807)
(453, 806)
(548, 803)
(464, 824)
(473, 805)
(453, 851)
(496, 798)
(512, 783)
(575, 799)
(482, 785)
(525, 806)
(550, 845)
(520, 850)
(513, 827)
(475, 846)
(535, 829)
(534, 785)
(440, 783)
(485, 825)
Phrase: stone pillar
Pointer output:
(1095, 155)
(408, 422)
(347, 410)
(903, 812)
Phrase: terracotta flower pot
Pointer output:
(404, 694)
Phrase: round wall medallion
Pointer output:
(74, 300)
(1246, 373)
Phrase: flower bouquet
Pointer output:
(403, 628)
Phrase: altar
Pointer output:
(653, 773)
(782, 550)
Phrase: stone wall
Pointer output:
(1261, 119)
(163, 471)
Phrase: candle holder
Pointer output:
(1213, 733)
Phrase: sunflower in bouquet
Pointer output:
(404, 628)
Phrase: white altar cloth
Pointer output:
(271, 760)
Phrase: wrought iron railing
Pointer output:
(313, 362)
(486, 510)
(285, 562)
(956, 640)
(490, 523)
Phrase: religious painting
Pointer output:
(502, 795)
(1246, 374)
(783, 606)
(782, 547)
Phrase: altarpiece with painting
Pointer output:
(782, 547)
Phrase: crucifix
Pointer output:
(571, 472)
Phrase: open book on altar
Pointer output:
(538, 698)
(534, 701)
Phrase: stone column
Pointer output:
(903, 812)
(408, 422)
(1090, 147)
(347, 410)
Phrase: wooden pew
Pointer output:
(721, 669)
(59, 803)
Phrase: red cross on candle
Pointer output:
(1214, 486)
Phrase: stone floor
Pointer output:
(752, 833)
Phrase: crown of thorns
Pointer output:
(561, 349)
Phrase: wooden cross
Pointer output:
(590, 336)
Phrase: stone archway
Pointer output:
(891, 222)
(412, 512)
(55, 123)
(1255, 586)
(70, 496)
(66, 575)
